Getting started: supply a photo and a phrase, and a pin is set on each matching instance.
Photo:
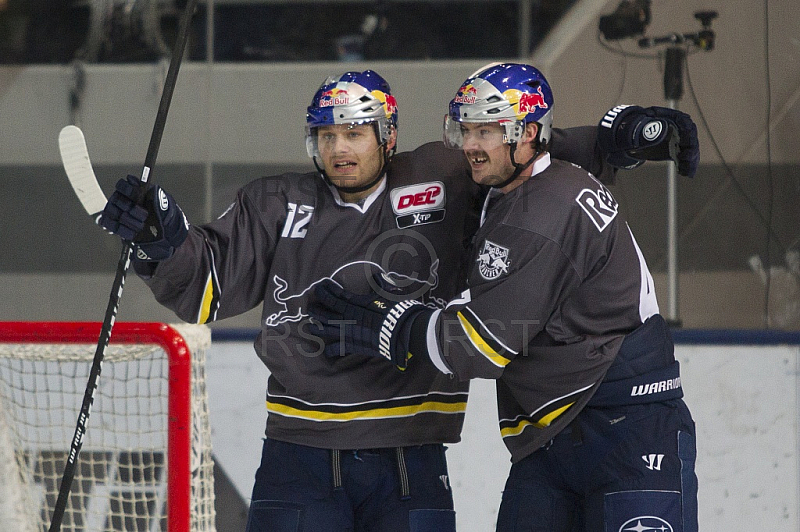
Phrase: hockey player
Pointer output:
(350, 445)
(561, 310)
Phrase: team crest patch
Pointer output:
(493, 261)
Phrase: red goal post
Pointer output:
(145, 361)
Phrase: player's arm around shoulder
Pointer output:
(433, 158)
(579, 145)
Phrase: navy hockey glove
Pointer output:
(630, 135)
(369, 325)
(156, 229)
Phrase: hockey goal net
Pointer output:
(145, 464)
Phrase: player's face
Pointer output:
(486, 152)
(351, 155)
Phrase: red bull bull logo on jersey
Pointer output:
(334, 97)
(529, 102)
(466, 94)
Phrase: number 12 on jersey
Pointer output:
(297, 218)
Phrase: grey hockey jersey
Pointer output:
(556, 282)
(284, 234)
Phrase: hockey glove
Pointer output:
(630, 135)
(156, 229)
(369, 325)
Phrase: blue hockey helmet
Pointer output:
(510, 94)
(352, 98)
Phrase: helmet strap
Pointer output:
(518, 167)
(322, 172)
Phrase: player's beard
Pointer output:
(361, 169)
(489, 168)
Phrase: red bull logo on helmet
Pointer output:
(528, 102)
(334, 97)
(389, 102)
(391, 105)
(466, 94)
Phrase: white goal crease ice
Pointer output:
(145, 464)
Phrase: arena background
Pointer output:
(738, 221)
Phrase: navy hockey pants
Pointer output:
(615, 469)
(304, 489)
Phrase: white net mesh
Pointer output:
(120, 482)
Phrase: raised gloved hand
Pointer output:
(630, 135)
(156, 228)
(370, 325)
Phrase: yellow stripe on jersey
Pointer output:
(540, 424)
(208, 298)
(435, 407)
(481, 345)
(549, 418)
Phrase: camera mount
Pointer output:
(703, 39)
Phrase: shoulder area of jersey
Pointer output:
(288, 184)
(572, 182)
(565, 175)
(432, 154)
(565, 195)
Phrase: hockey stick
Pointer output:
(122, 268)
(75, 158)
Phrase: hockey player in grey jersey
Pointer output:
(350, 445)
(561, 310)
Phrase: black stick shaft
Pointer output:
(91, 386)
(169, 88)
(119, 279)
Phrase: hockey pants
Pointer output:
(305, 489)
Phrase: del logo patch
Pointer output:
(493, 261)
(418, 204)
(600, 205)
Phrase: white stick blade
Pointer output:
(75, 158)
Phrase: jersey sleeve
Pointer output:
(579, 145)
(480, 332)
(221, 269)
